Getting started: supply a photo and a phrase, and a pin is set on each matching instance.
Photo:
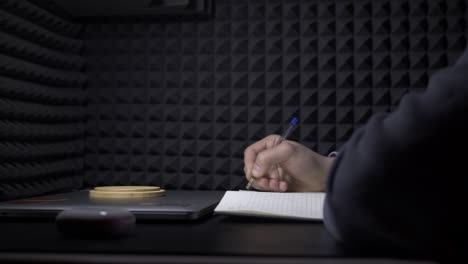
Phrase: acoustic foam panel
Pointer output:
(41, 102)
(175, 104)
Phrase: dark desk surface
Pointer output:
(218, 236)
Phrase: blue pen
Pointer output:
(288, 131)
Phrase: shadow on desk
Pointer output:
(135, 259)
(217, 239)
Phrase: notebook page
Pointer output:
(295, 205)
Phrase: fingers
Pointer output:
(251, 152)
(283, 186)
(270, 185)
(270, 157)
(250, 155)
(273, 184)
(278, 185)
(274, 172)
(263, 157)
(261, 184)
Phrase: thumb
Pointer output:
(269, 157)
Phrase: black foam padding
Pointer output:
(38, 54)
(26, 111)
(16, 171)
(39, 132)
(52, 183)
(11, 151)
(19, 26)
(32, 92)
(41, 102)
(42, 17)
(176, 103)
(20, 69)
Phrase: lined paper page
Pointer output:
(289, 205)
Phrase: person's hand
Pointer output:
(288, 166)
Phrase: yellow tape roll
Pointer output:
(125, 194)
(127, 188)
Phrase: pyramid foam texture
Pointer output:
(175, 104)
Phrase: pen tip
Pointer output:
(294, 121)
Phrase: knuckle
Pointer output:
(288, 147)
(261, 158)
(273, 137)
(246, 152)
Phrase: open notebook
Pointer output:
(304, 206)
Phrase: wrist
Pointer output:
(327, 164)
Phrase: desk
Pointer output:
(217, 239)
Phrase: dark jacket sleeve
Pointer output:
(395, 185)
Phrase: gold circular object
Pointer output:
(127, 188)
(126, 194)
